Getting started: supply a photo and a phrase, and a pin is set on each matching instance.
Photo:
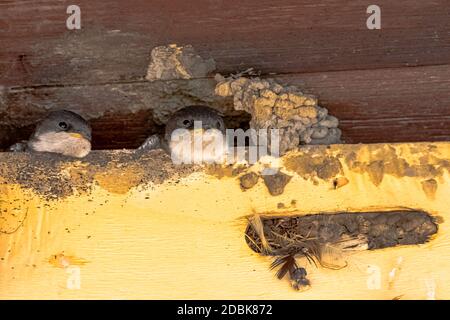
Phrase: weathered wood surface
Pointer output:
(390, 105)
(385, 85)
(183, 237)
(283, 37)
(386, 105)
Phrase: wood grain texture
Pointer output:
(274, 37)
(185, 240)
(385, 85)
(383, 105)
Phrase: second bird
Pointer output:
(63, 132)
(196, 122)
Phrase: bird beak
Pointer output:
(198, 131)
(77, 135)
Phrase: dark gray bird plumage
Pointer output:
(184, 119)
(63, 132)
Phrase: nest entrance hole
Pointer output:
(110, 131)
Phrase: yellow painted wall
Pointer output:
(185, 239)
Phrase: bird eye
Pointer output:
(63, 125)
(187, 123)
(219, 125)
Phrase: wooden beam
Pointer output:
(383, 105)
(284, 37)
(115, 225)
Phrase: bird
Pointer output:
(193, 134)
(62, 132)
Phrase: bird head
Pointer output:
(197, 119)
(196, 131)
(63, 132)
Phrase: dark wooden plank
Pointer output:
(383, 105)
(122, 115)
(286, 36)
(393, 105)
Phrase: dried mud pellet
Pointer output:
(378, 230)
(319, 132)
(430, 187)
(400, 232)
(408, 238)
(248, 180)
(411, 224)
(385, 242)
(364, 226)
(380, 219)
(329, 122)
(340, 182)
(393, 219)
(275, 183)
(351, 226)
(428, 228)
(375, 170)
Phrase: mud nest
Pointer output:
(377, 229)
(322, 238)
(297, 116)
